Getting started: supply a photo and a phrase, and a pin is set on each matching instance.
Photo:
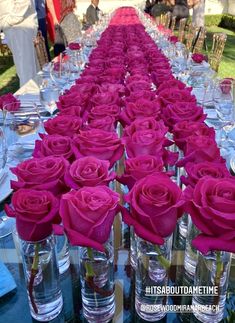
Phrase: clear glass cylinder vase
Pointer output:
(62, 253)
(212, 271)
(191, 254)
(42, 278)
(97, 280)
(133, 251)
(152, 272)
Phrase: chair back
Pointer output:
(165, 19)
(173, 21)
(215, 56)
(40, 48)
(189, 36)
(181, 32)
(199, 40)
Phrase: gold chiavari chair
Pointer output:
(165, 19)
(40, 48)
(182, 24)
(190, 36)
(216, 53)
(173, 21)
(199, 40)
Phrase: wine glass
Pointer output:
(76, 64)
(49, 95)
(60, 73)
(6, 223)
(224, 104)
(21, 129)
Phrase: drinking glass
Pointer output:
(223, 97)
(21, 129)
(6, 223)
(60, 73)
(49, 95)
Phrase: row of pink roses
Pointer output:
(128, 80)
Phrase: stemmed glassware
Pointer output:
(49, 95)
(21, 128)
(224, 97)
(60, 72)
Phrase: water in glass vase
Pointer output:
(48, 98)
(191, 254)
(44, 293)
(97, 280)
(153, 263)
(212, 270)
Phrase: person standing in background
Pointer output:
(57, 10)
(40, 6)
(180, 10)
(18, 20)
(92, 13)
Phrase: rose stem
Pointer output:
(166, 264)
(90, 272)
(33, 273)
(218, 273)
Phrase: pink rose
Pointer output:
(73, 98)
(35, 212)
(136, 86)
(140, 109)
(45, 173)
(101, 111)
(198, 58)
(155, 203)
(173, 39)
(74, 46)
(199, 149)
(63, 125)
(106, 123)
(170, 85)
(105, 98)
(118, 88)
(211, 205)
(54, 145)
(135, 96)
(226, 85)
(88, 215)
(144, 142)
(139, 167)
(85, 89)
(98, 143)
(182, 111)
(175, 96)
(86, 79)
(88, 171)
(161, 76)
(145, 124)
(137, 77)
(9, 102)
(184, 129)
(197, 171)
(73, 110)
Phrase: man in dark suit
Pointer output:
(92, 13)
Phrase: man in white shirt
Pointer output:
(18, 20)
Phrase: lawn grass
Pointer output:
(9, 81)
